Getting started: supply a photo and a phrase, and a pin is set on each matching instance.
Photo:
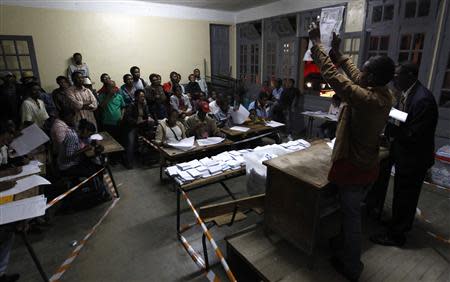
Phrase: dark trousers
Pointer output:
(407, 187)
(349, 241)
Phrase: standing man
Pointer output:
(59, 95)
(355, 153)
(138, 82)
(127, 89)
(286, 99)
(277, 90)
(33, 108)
(412, 152)
(201, 82)
(81, 99)
(112, 108)
(77, 65)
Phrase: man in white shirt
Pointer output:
(78, 66)
(201, 82)
(33, 109)
(138, 82)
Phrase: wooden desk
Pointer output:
(169, 155)
(255, 129)
(295, 189)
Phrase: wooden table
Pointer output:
(169, 155)
(257, 131)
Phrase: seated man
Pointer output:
(201, 125)
(170, 130)
(261, 109)
(223, 110)
(180, 102)
(6, 231)
(71, 158)
(33, 108)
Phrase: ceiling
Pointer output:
(223, 5)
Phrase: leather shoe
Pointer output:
(341, 269)
(9, 278)
(386, 239)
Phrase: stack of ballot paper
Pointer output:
(29, 169)
(240, 128)
(24, 184)
(23, 209)
(184, 144)
(209, 141)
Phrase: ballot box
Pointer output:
(298, 195)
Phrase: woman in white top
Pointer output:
(170, 129)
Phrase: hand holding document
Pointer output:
(184, 144)
(31, 137)
(398, 115)
(240, 115)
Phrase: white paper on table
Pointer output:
(23, 209)
(25, 184)
(172, 170)
(29, 169)
(194, 163)
(97, 137)
(202, 168)
(331, 144)
(184, 166)
(240, 116)
(398, 115)
(210, 141)
(194, 173)
(185, 176)
(208, 162)
(330, 21)
(304, 143)
(235, 153)
(273, 123)
(215, 169)
(239, 159)
(31, 138)
(222, 157)
(240, 128)
(184, 144)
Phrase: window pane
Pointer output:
(424, 8)
(355, 59)
(419, 38)
(410, 9)
(11, 62)
(22, 47)
(388, 13)
(384, 43)
(445, 99)
(347, 45)
(403, 57)
(405, 42)
(2, 63)
(416, 58)
(8, 47)
(373, 45)
(25, 62)
(376, 14)
(356, 42)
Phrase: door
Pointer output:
(220, 49)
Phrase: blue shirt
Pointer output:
(260, 111)
(128, 96)
(276, 93)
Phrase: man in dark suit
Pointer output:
(412, 152)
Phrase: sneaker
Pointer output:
(9, 278)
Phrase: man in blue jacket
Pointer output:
(412, 151)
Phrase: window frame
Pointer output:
(31, 54)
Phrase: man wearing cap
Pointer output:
(9, 99)
(201, 125)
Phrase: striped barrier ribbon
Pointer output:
(210, 239)
(66, 264)
(210, 275)
(62, 196)
(419, 215)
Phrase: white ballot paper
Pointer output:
(25, 184)
(184, 144)
(209, 141)
(240, 115)
(31, 138)
(172, 170)
(31, 168)
(273, 123)
(96, 136)
(22, 209)
(240, 128)
(398, 115)
(330, 21)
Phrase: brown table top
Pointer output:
(171, 153)
(255, 128)
(309, 166)
(109, 143)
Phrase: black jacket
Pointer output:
(413, 145)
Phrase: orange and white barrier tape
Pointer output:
(66, 264)
(210, 239)
(62, 196)
(438, 237)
